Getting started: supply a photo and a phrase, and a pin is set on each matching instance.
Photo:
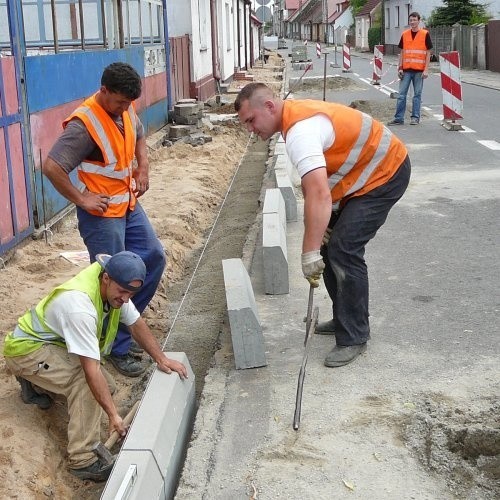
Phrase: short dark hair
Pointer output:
(414, 14)
(247, 92)
(122, 78)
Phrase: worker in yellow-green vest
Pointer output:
(58, 345)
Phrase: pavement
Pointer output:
(481, 78)
(366, 429)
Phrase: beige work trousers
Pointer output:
(54, 369)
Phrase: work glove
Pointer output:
(400, 74)
(312, 267)
(326, 236)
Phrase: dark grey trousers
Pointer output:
(346, 274)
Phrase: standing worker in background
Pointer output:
(353, 170)
(413, 67)
(58, 345)
(100, 139)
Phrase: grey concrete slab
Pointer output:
(275, 204)
(274, 253)
(284, 184)
(246, 331)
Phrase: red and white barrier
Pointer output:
(378, 57)
(451, 84)
(318, 50)
(346, 53)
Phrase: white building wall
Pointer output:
(201, 39)
(362, 27)
(179, 18)
(256, 44)
(226, 38)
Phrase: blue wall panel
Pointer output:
(155, 116)
(60, 78)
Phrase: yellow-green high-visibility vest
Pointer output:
(32, 332)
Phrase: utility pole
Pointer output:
(325, 19)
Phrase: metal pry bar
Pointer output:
(311, 322)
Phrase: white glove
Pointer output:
(312, 267)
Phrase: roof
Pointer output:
(255, 19)
(369, 6)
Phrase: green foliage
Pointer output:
(458, 11)
(374, 37)
(356, 6)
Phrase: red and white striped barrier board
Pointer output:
(451, 84)
(378, 56)
(318, 50)
(346, 53)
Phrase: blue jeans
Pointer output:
(131, 232)
(346, 274)
(414, 77)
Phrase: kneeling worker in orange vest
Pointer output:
(58, 346)
(353, 170)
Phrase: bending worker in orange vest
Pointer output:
(101, 139)
(353, 170)
(414, 58)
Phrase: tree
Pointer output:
(356, 6)
(458, 11)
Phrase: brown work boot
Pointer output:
(99, 471)
(342, 355)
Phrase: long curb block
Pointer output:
(158, 437)
(246, 330)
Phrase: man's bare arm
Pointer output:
(61, 181)
(100, 390)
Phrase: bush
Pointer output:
(374, 37)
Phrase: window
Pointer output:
(387, 18)
(87, 23)
(396, 17)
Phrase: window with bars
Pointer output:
(55, 25)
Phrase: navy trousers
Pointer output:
(346, 273)
(131, 232)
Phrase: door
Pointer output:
(16, 218)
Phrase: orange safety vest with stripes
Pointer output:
(414, 50)
(113, 176)
(364, 155)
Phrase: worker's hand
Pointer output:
(425, 73)
(312, 267)
(116, 424)
(94, 202)
(168, 365)
(400, 74)
(326, 236)
(141, 181)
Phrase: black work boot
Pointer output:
(342, 355)
(325, 328)
(98, 471)
(31, 397)
(127, 365)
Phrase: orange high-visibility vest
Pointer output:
(364, 155)
(113, 176)
(414, 50)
